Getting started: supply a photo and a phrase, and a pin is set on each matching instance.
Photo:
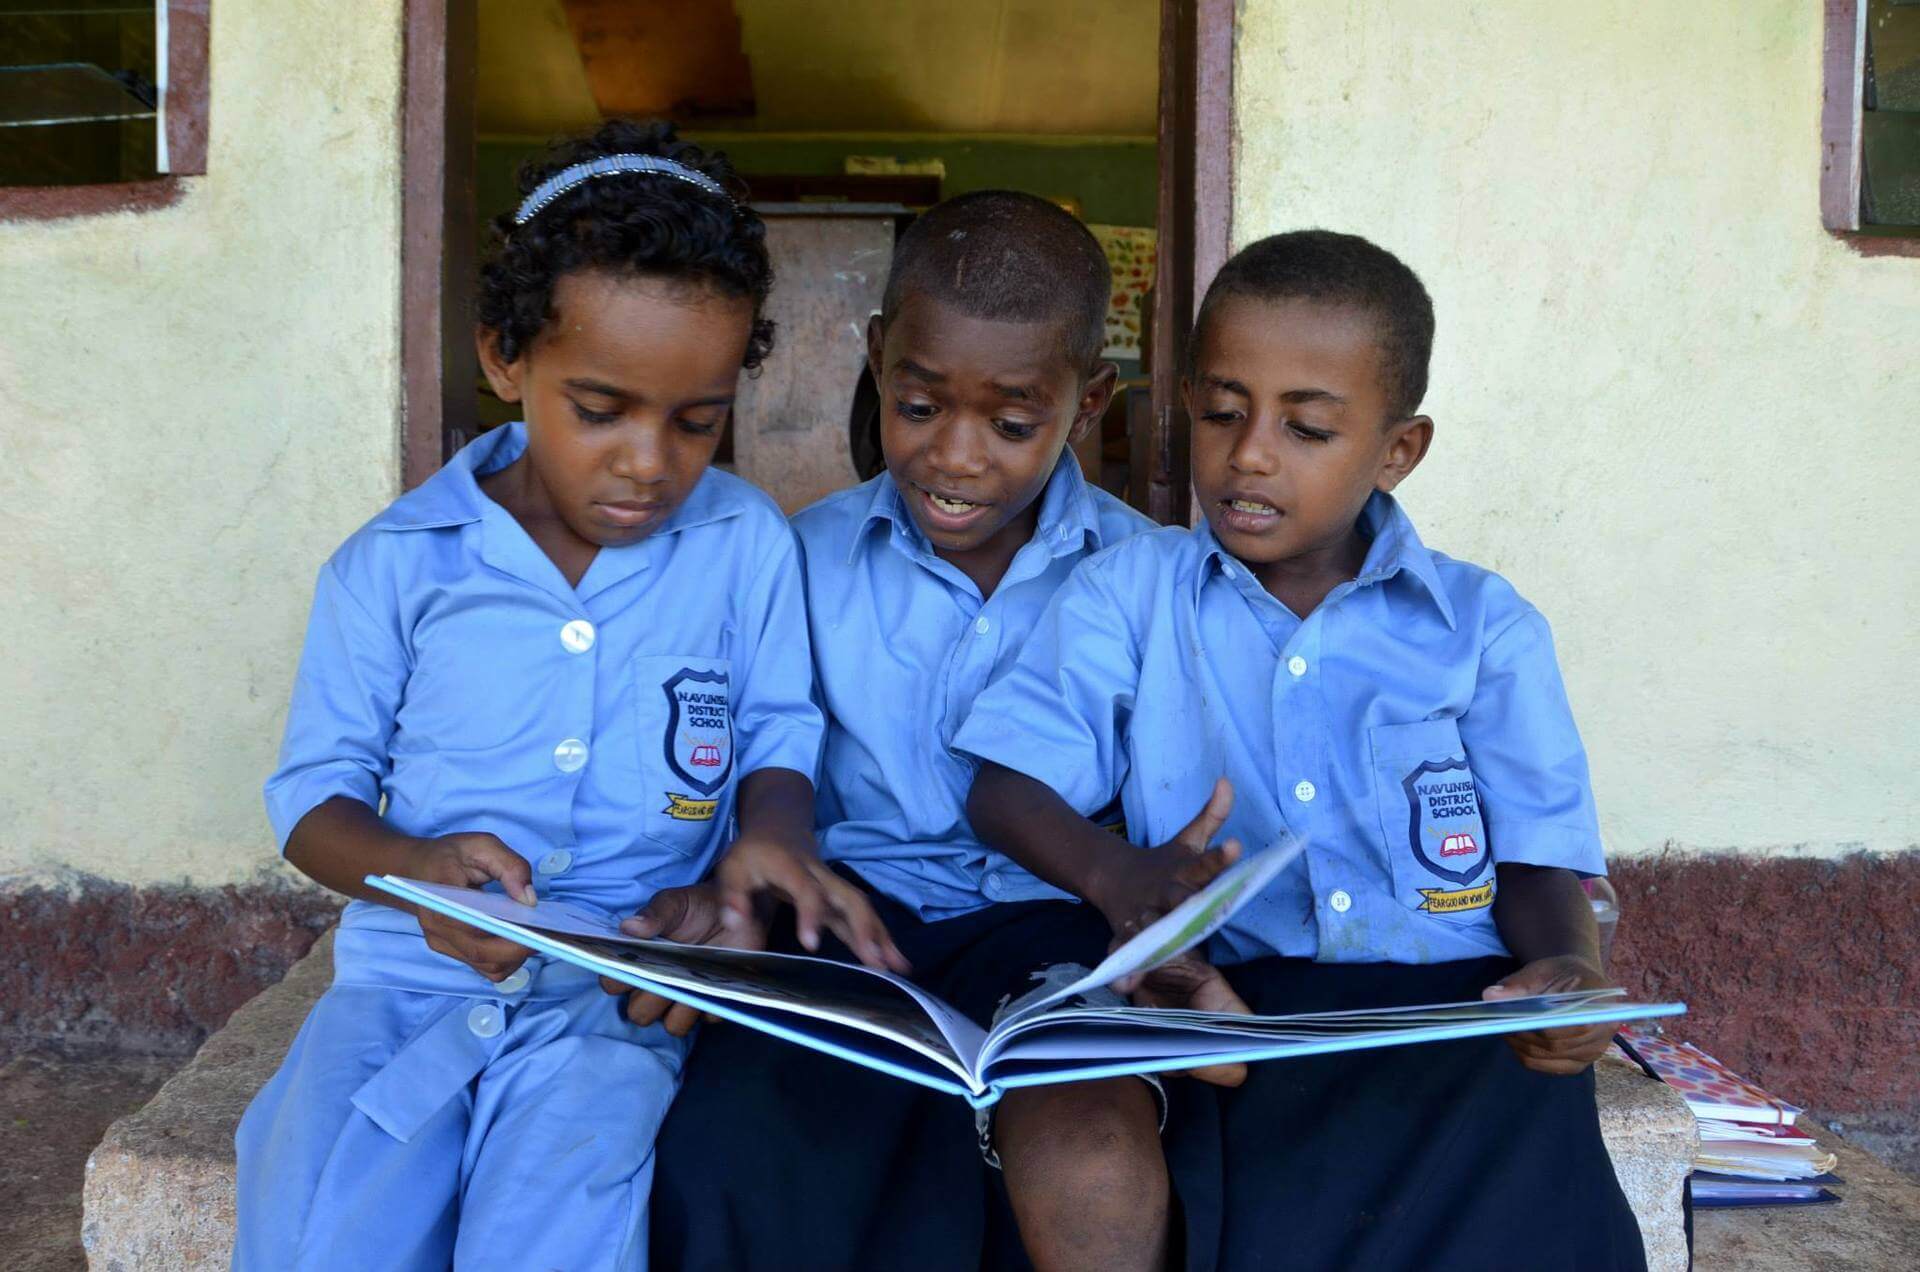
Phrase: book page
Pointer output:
(1082, 1043)
(1174, 933)
(845, 993)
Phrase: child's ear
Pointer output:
(1094, 397)
(1407, 444)
(876, 347)
(503, 376)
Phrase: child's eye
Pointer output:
(1015, 430)
(918, 412)
(703, 428)
(1221, 417)
(593, 417)
(1308, 433)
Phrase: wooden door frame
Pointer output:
(438, 237)
(438, 241)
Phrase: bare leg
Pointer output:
(1086, 1175)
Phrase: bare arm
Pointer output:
(1027, 820)
(1547, 923)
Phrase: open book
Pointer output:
(886, 1022)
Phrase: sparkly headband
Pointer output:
(581, 173)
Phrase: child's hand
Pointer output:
(691, 916)
(467, 861)
(1191, 982)
(761, 867)
(1567, 1050)
(1135, 881)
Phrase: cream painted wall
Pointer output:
(1678, 415)
(199, 403)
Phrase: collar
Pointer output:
(1395, 549)
(452, 496)
(1069, 517)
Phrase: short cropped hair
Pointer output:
(1007, 257)
(1347, 270)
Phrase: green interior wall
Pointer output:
(1116, 181)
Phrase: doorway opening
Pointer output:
(845, 120)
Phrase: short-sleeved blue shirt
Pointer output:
(1413, 729)
(599, 730)
(903, 644)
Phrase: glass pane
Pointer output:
(77, 94)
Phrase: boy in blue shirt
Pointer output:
(1301, 664)
(922, 585)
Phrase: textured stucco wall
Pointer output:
(1672, 409)
(196, 404)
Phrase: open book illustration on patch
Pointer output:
(887, 1023)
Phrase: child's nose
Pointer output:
(1256, 451)
(642, 456)
(956, 448)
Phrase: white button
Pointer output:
(577, 636)
(559, 861)
(1066, 532)
(1304, 792)
(1228, 570)
(1340, 902)
(570, 756)
(512, 984)
(1297, 665)
(981, 625)
(485, 1020)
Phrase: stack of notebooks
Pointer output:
(1752, 1150)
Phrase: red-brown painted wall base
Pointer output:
(150, 969)
(1802, 974)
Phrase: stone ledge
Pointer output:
(1650, 1134)
(159, 1188)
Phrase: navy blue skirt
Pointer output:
(1439, 1156)
(1436, 1156)
(775, 1156)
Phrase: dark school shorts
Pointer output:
(775, 1156)
(1434, 1156)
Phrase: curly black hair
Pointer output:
(649, 225)
(1339, 269)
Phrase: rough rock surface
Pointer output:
(1650, 1135)
(159, 1188)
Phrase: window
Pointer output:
(102, 103)
(1870, 126)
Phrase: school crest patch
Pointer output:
(698, 742)
(1444, 830)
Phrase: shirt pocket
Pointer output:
(684, 706)
(1430, 817)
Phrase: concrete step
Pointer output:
(159, 1188)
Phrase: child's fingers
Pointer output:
(860, 929)
(1222, 1075)
(1199, 832)
(681, 1020)
(688, 915)
(645, 1009)
(608, 985)
(490, 857)
(1203, 868)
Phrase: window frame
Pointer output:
(183, 113)
(1842, 132)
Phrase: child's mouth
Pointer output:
(949, 512)
(1249, 516)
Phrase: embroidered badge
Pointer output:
(1440, 901)
(1444, 830)
(698, 742)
